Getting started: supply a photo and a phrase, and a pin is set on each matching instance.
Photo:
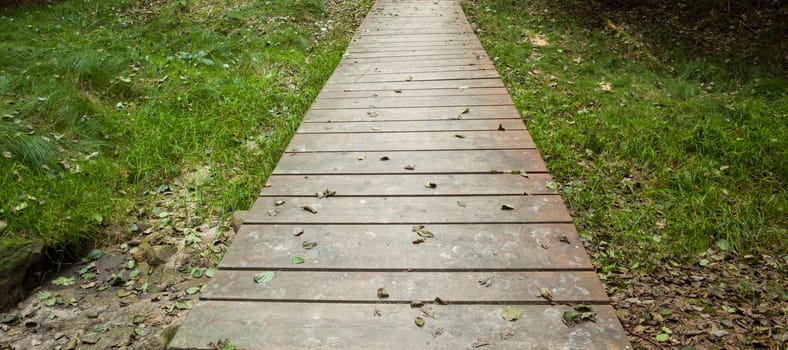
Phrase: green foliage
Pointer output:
(102, 101)
(658, 152)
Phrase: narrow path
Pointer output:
(414, 128)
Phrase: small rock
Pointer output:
(154, 255)
(238, 219)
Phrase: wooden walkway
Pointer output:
(414, 128)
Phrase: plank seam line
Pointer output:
(416, 195)
(439, 106)
(341, 64)
(416, 150)
(263, 222)
(370, 120)
(405, 302)
(412, 270)
(402, 173)
(479, 57)
(396, 131)
(407, 97)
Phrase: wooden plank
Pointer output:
(410, 210)
(410, 52)
(420, 46)
(389, 69)
(430, 162)
(466, 247)
(411, 114)
(411, 141)
(408, 185)
(424, 45)
(259, 325)
(416, 85)
(411, 93)
(403, 287)
(412, 101)
(412, 126)
(398, 66)
(447, 29)
(414, 76)
(481, 58)
(417, 38)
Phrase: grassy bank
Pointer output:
(107, 104)
(658, 151)
(670, 155)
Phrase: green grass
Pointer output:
(661, 154)
(104, 101)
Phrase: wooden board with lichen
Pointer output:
(410, 210)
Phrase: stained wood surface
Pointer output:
(412, 172)
(433, 162)
(412, 114)
(466, 247)
(456, 126)
(292, 325)
(423, 210)
(413, 141)
(404, 287)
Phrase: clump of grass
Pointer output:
(661, 154)
(100, 102)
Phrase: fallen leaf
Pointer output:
(384, 158)
(64, 281)
(545, 293)
(459, 136)
(399, 91)
(462, 204)
(309, 245)
(297, 231)
(419, 322)
(425, 233)
(362, 157)
(273, 212)
(463, 88)
(510, 314)
(465, 111)
(479, 343)
(441, 301)
(297, 260)
(579, 314)
(372, 114)
(662, 337)
(564, 239)
(506, 333)
(419, 240)
(192, 290)
(309, 209)
(431, 185)
(409, 78)
(416, 303)
(382, 293)
(506, 207)
(264, 277)
(100, 327)
(410, 167)
(487, 282)
(45, 294)
(501, 128)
